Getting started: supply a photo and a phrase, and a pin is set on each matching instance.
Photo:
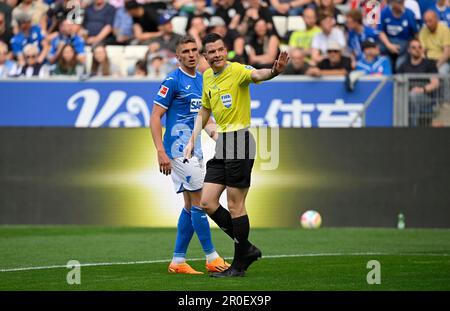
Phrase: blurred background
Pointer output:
(358, 123)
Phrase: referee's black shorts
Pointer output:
(233, 162)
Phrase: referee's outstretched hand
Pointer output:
(280, 63)
(188, 150)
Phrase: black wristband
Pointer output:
(272, 73)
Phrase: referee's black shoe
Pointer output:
(230, 272)
(251, 256)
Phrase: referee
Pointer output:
(226, 94)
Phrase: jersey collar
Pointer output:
(226, 66)
(187, 73)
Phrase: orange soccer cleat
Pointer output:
(182, 268)
(217, 265)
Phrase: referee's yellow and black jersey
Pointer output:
(227, 95)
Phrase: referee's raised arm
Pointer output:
(259, 75)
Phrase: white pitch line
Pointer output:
(96, 264)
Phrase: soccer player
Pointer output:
(226, 94)
(179, 98)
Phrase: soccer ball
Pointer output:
(311, 220)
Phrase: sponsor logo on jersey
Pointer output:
(196, 104)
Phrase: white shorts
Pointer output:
(188, 175)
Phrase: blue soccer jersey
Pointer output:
(444, 15)
(181, 94)
(19, 41)
(403, 28)
(356, 39)
(381, 65)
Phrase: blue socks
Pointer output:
(188, 222)
(201, 227)
(184, 236)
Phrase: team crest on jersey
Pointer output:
(196, 103)
(249, 67)
(226, 100)
(163, 91)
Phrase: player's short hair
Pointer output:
(356, 15)
(184, 40)
(210, 38)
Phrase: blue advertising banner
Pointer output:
(128, 103)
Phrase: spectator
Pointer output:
(140, 69)
(32, 67)
(168, 39)
(328, 6)
(5, 33)
(101, 65)
(8, 68)
(255, 9)
(7, 12)
(157, 67)
(145, 21)
(67, 35)
(335, 64)
(37, 9)
(415, 8)
(58, 11)
(184, 7)
(231, 11)
(28, 34)
(67, 63)
(200, 10)
(397, 26)
(262, 48)
(435, 39)
(371, 62)
(289, 7)
(232, 39)
(297, 64)
(330, 32)
(370, 10)
(358, 33)
(442, 8)
(421, 94)
(123, 26)
(198, 29)
(98, 22)
(303, 38)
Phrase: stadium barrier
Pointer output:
(285, 102)
(418, 109)
(106, 176)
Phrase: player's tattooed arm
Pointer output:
(200, 122)
(277, 68)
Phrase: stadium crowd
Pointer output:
(324, 37)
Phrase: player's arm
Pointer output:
(259, 75)
(156, 129)
(200, 122)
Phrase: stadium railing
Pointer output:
(421, 110)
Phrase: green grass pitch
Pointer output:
(324, 259)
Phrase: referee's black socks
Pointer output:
(241, 229)
(222, 218)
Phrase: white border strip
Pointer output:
(97, 264)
